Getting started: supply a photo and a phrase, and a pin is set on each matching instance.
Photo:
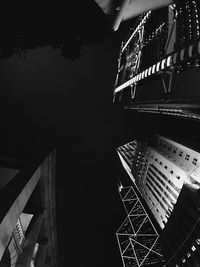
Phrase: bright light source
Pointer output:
(153, 68)
(169, 61)
(149, 71)
(158, 66)
(163, 64)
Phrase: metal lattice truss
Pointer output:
(137, 236)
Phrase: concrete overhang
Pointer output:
(128, 9)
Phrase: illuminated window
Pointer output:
(193, 248)
(198, 241)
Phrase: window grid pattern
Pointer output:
(160, 198)
(184, 154)
(165, 184)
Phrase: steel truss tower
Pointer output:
(137, 236)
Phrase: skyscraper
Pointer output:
(27, 228)
(159, 171)
(159, 61)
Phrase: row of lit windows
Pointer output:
(148, 186)
(176, 57)
(161, 163)
(164, 208)
(159, 200)
(159, 179)
(127, 147)
(163, 198)
(156, 183)
(180, 152)
(168, 197)
(193, 248)
(167, 211)
(171, 192)
(165, 193)
(165, 201)
(166, 167)
(166, 179)
(150, 182)
(127, 152)
(173, 185)
(166, 186)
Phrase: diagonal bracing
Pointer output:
(137, 236)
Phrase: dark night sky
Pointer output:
(67, 104)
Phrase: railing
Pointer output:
(174, 60)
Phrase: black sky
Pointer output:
(49, 100)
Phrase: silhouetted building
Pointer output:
(167, 177)
(27, 228)
(180, 238)
(158, 64)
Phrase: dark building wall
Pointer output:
(180, 235)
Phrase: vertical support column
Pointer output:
(120, 14)
(41, 255)
(25, 258)
(19, 190)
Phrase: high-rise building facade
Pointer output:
(159, 61)
(27, 227)
(160, 171)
